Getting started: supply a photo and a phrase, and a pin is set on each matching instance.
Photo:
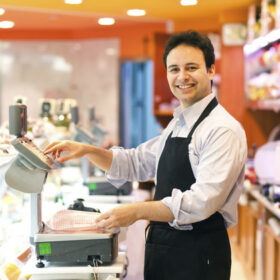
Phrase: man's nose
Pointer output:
(184, 75)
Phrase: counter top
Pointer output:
(80, 272)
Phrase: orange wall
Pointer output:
(135, 40)
(201, 24)
(212, 24)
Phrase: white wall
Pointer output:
(87, 70)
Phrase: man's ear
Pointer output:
(212, 71)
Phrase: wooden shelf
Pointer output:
(265, 202)
(258, 243)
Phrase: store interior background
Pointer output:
(138, 39)
(57, 51)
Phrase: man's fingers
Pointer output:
(64, 158)
(55, 148)
(50, 150)
(106, 223)
(103, 216)
(46, 150)
(106, 220)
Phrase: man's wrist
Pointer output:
(89, 149)
(139, 210)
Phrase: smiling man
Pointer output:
(189, 78)
(198, 166)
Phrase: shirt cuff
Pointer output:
(174, 204)
(114, 166)
(113, 174)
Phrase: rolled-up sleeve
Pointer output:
(221, 161)
(137, 164)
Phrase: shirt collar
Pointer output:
(192, 113)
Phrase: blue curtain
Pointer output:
(137, 122)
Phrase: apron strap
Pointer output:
(213, 103)
(147, 230)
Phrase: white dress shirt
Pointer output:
(217, 154)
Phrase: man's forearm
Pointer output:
(154, 211)
(127, 214)
(99, 156)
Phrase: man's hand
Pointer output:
(73, 149)
(121, 216)
(127, 214)
(97, 155)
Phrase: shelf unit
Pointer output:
(269, 104)
(262, 72)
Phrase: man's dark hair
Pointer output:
(193, 39)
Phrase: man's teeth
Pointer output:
(184, 87)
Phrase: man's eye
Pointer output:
(173, 70)
(192, 68)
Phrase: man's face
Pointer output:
(187, 74)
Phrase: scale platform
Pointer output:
(83, 248)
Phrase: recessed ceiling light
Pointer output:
(136, 12)
(188, 2)
(6, 24)
(73, 2)
(106, 21)
(2, 11)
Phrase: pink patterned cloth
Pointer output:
(73, 221)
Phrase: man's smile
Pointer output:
(185, 86)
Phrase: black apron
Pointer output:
(202, 253)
